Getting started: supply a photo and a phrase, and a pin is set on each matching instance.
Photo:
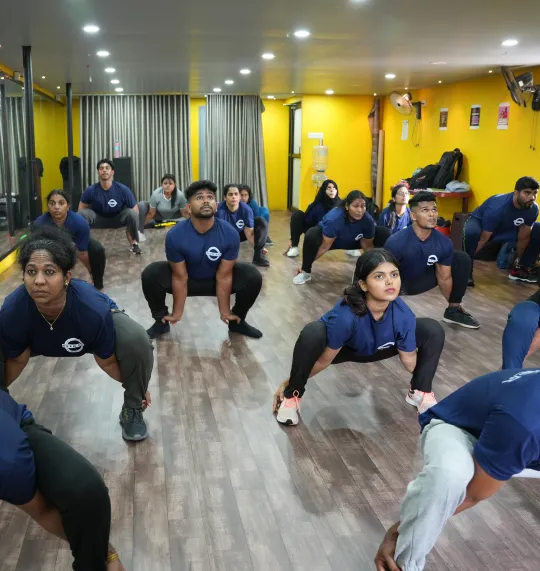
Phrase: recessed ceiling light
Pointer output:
(329, 92)
(510, 43)
(110, 70)
(268, 55)
(271, 97)
(302, 34)
(2, 77)
(374, 95)
(217, 89)
(57, 87)
(390, 76)
(437, 63)
(291, 91)
(42, 77)
(229, 82)
(406, 87)
(103, 53)
(245, 71)
(115, 81)
(119, 89)
(440, 81)
(91, 29)
(490, 71)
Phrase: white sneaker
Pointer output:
(301, 278)
(353, 253)
(142, 237)
(422, 401)
(292, 252)
(288, 411)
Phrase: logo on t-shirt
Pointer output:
(386, 345)
(359, 237)
(213, 254)
(432, 260)
(521, 374)
(240, 224)
(112, 203)
(73, 345)
(519, 221)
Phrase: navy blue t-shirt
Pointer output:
(364, 335)
(347, 234)
(242, 218)
(315, 213)
(17, 469)
(75, 224)
(85, 325)
(202, 252)
(110, 202)
(416, 257)
(498, 214)
(401, 222)
(501, 410)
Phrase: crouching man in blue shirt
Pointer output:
(473, 441)
(201, 261)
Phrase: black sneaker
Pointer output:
(261, 260)
(244, 328)
(135, 249)
(470, 283)
(133, 425)
(521, 274)
(269, 241)
(460, 317)
(159, 328)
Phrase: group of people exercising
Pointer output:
(473, 441)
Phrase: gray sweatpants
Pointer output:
(144, 207)
(127, 217)
(436, 493)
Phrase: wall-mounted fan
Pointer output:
(403, 103)
(518, 85)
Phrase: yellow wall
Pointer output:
(494, 159)
(344, 122)
(194, 106)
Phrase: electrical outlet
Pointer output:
(424, 102)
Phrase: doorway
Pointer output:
(295, 156)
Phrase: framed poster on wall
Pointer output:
(474, 122)
(443, 119)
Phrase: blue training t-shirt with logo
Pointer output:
(110, 202)
(242, 218)
(416, 257)
(17, 468)
(498, 214)
(84, 326)
(75, 224)
(202, 252)
(347, 233)
(401, 222)
(364, 335)
(314, 213)
(501, 410)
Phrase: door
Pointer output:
(295, 158)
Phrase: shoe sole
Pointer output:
(287, 422)
(136, 438)
(295, 256)
(446, 320)
(515, 279)
(411, 402)
(302, 283)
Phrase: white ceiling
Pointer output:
(193, 46)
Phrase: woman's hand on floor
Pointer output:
(535, 344)
(278, 395)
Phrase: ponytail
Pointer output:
(355, 297)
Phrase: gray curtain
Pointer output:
(15, 143)
(234, 142)
(152, 129)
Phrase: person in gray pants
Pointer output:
(473, 441)
(54, 315)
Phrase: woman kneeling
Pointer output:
(370, 323)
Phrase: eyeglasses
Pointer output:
(403, 193)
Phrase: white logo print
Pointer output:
(213, 254)
(521, 374)
(359, 237)
(432, 260)
(240, 224)
(519, 221)
(386, 345)
(73, 345)
(112, 203)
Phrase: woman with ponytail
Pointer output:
(370, 323)
(397, 215)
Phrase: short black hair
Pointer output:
(526, 182)
(227, 187)
(105, 162)
(200, 185)
(56, 241)
(60, 193)
(422, 196)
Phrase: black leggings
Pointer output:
(312, 342)
(461, 270)
(157, 282)
(261, 234)
(71, 484)
(299, 226)
(97, 259)
(314, 237)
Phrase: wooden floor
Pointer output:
(219, 485)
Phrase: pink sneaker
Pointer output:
(288, 410)
(422, 401)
